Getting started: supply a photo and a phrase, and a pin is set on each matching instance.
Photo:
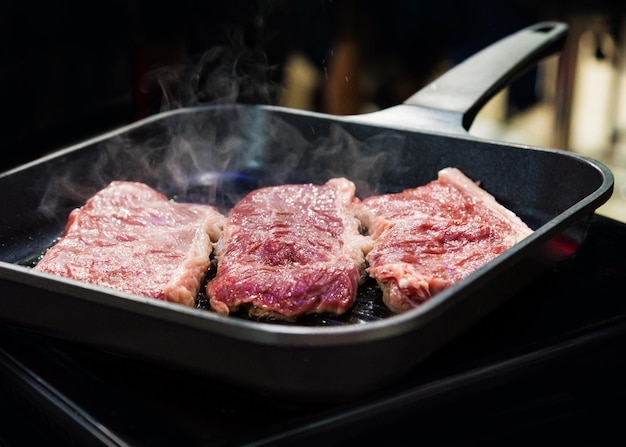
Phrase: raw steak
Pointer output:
(428, 238)
(290, 250)
(132, 238)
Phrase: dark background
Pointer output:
(72, 70)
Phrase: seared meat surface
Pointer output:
(290, 250)
(132, 238)
(429, 237)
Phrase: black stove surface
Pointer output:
(549, 366)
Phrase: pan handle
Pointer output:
(466, 88)
(450, 103)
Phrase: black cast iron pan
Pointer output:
(216, 154)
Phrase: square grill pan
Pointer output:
(216, 154)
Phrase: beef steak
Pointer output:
(429, 237)
(290, 250)
(132, 238)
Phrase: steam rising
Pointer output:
(205, 148)
(224, 74)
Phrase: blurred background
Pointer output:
(73, 70)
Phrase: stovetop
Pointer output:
(550, 363)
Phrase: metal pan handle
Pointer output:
(450, 103)
(465, 88)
